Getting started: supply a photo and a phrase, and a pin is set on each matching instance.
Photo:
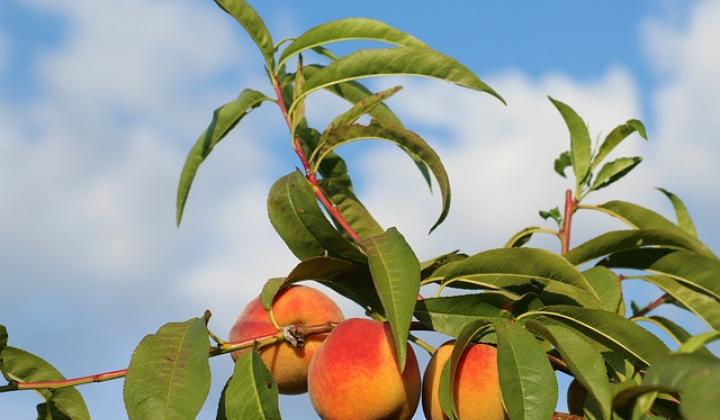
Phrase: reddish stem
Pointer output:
(309, 174)
(570, 207)
(652, 305)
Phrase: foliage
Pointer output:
(542, 309)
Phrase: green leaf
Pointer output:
(347, 278)
(360, 108)
(580, 144)
(296, 216)
(349, 29)
(705, 307)
(3, 337)
(527, 381)
(607, 286)
(616, 136)
(396, 274)
(699, 341)
(50, 411)
(529, 263)
(699, 397)
(553, 213)
(584, 361)
(562, 162)
(626, 240)
(21, 366)
(448, 315)
(352, 210)
(675, 369)
(610, 330)
(254, 26)
(430, 266)
(251, 392)
(683, 216)
(224, 119)
(395, 134)
(613, 171)
(522, 237)
(298, 114)
(169, 373)
(417, 61)
(686, 267)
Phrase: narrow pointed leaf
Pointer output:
(613, 171)
(448, 315)
(699, 398)
(50, 411)
(607, 286)
(676, 332)
(360, 108)
(224, 119)
(396, 274)
(528, 384)
(616, 136)
(352, 210)
(704, 306)
(430, 266)
(169, 373)
(522, 237)
(349, 29)
(698, 342)
(686, 267)
(683, 216)
(298, 114)
(3, 337)
(251, 392)
(406, 139)
(584, 361)
(398, 61)
(19, 365)
(580, 144)
(253, 25)
(296, 216)
(611, 330)
(625, 240)
(561, 163)
(553, 214)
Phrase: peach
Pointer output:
(476, 385)
(576, 395)
(296, 305)
(355, 375)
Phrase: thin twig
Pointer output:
(570, 207)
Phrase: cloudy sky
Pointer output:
(101, 100)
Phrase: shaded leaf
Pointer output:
(562, 162)
(298, 219)
(705, 307)
(580, 144)
(253, 24)
(616, 136)
(360, 108)
(699, 398)
(224, 119)
(430, 266)
(396, 274)
(613, 171)
(528, 384)
(50, 411)
(407, 139)
(607, 286)
(683, 216)
(522, 237)
(298, 113)
(169, 373)
(699, 341)
(349, 29)
(352, 210)
(251, 392)
(21, 366)
(3, 337)
(448, 315)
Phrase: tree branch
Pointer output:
(570, 207)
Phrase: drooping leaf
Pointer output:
(553, 214)
(616, 136)
(699, 341)
(530, 263)
(613, 171)
(21, 366)
(625, 240)
(522, 237)
(528, 384)
(580, 144)
(396, 274)
(448, 315)
(349, 279)
(611, 330)
(253, 24)
(3, 337)
(607, 287)
(348, 29)
(251, 392)
(584, 361)
(417, 61)
(224, 119)
(704, 306)
(169, 373)
(352, 210)
(360, 108)
(430, 266)
(397, 135)
(296, 216)
(695, 270)
(683, 216)
(562, 162)
(298, 113)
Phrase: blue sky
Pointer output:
(100, 101)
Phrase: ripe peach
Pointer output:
(355, 375)
(298, 305)
(476, 386)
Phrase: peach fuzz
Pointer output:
(355, 375)
(296, 305)
(476, 385)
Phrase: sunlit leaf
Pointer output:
(448, 315)
(350, 207)
(253, 24)
(430, 266)
(360, 108)
(580, 144)
(683, 216)
(553, 214)
(3, 337)
(699, 341)
(704, 306)
(613, 171)
(521, 238)
(562, 162)
(616, 136)
(251, 392)
(607, 287)
(699, 396)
